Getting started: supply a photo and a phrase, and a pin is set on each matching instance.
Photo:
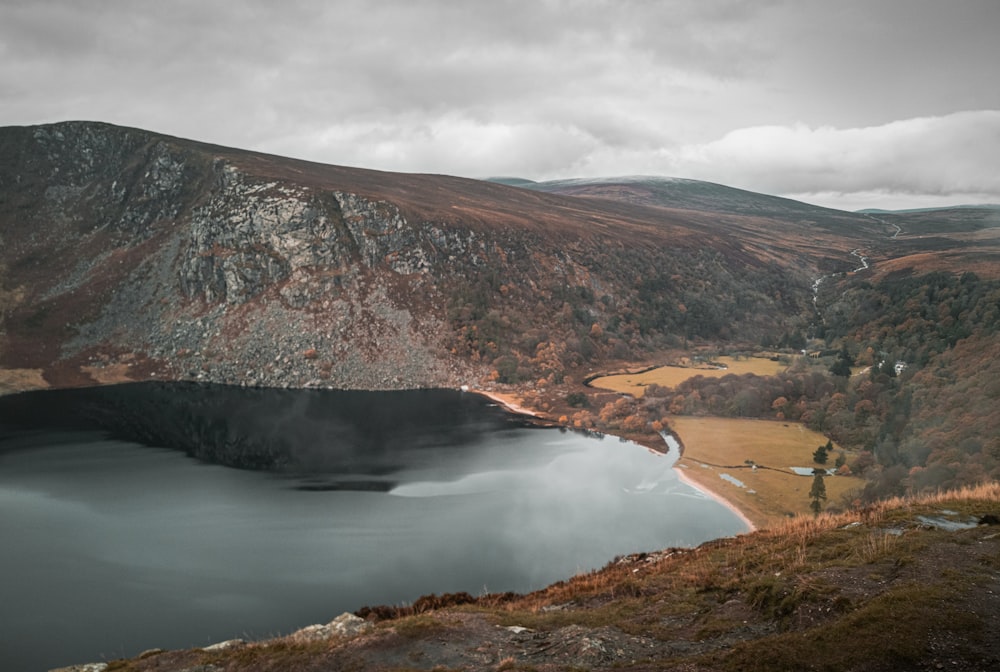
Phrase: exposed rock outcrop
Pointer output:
(345, 625)
(185, 266)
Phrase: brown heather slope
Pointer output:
(129, 255)
(952, 240)
(919, 241)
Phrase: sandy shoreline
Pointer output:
(506, 401)
(510, 404)
(708, 492)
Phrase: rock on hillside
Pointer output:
(130, 255)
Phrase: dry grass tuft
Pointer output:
(877, 546)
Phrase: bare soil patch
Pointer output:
(21, 380)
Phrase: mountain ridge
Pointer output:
(106, 226)
(682, 193)
(939, 208)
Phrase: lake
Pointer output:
(122, 531)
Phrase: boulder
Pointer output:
(344, 625)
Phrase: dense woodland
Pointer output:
(646, 301)
(903, 373)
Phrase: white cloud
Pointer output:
(948, 156)
(453, 144)
(546, 89)
(889, 200)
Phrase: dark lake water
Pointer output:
(117, 539)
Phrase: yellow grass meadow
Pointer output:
(673, 375)
(716, 451)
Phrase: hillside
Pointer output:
(944, 239)
(685, 194)
(906, 585)
(785, 226)
(962, 238)
(128, 255)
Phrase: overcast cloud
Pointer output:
(855, 103)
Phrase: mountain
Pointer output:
(131, 255)
(958, 239)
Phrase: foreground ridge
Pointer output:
(905, 584)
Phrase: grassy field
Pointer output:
(671, 376)
(717, 446)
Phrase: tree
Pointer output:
(779, 405)
(820, 455)
(817, 492)
(842, 365)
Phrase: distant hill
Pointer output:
(686, 194)
(512, 181)
(963, 238)
(877, 211)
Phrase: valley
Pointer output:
(131, 256)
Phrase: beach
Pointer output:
(682, 473)
(510, 402)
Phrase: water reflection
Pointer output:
(117, 547)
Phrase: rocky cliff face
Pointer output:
(129, 255)
(134, 254)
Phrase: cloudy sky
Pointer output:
(849, 103)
